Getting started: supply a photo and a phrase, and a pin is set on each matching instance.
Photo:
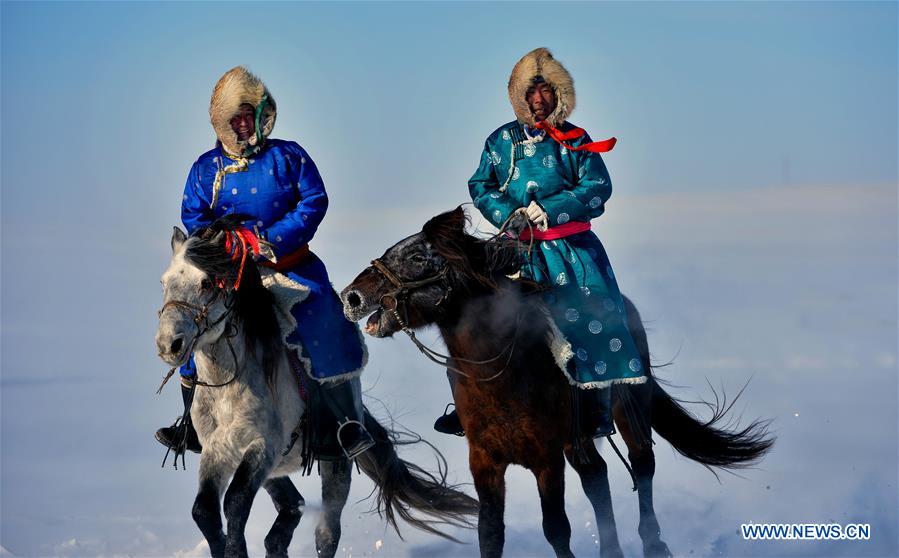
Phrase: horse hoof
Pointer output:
(657, 549)
(611, 553)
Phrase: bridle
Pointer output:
(241, 240)
(404, 288)
(201, 313)
(400, 296)
(237, 244)
(200, 317)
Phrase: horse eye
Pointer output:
(206, 284)
(419, 258)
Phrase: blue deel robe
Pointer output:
(283, 191)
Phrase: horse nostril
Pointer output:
(354, 300)
(177, 344)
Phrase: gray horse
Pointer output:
(251, 405)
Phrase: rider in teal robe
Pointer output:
(542, 167)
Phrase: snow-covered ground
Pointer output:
(793, 288)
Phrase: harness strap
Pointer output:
(623, 460)
(182, 426)
(405, 286)
(398, 296)
(201, 318)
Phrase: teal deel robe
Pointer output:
(592, 345)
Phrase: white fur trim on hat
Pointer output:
(236, 87)
(540, 62)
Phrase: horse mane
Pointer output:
(253, 304)
(475, 261)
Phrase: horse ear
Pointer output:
(219, 238)
(456, 218)
(178, 238)
(450, 222)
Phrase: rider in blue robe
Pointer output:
(276, 183)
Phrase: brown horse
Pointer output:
(513, 401)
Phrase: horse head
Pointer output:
(419, 279)
(200, 287)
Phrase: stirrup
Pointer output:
(364, 444)
(454, 429)
(180, 437)
(600, 434)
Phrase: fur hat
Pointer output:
(539, 63)
(236, 87)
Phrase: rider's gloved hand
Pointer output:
(537, 215)
(266, 251)
(517, 223)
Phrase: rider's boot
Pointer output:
(174, 435)
(344, 401)
(605, 426)
(449, 422)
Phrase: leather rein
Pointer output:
(400, 295)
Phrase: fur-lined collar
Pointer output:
(236, 87)
(540, 62)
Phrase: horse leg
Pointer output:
(595, 481)
(250, 474)
(336, 478)
(207, 512)
(289, 504)
(551, 486)
(490, 484)
(644, 466)
(638, 439)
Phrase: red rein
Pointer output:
(561, 137)
(236, 244)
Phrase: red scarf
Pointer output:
(561, 137)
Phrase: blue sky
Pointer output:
(753, 221)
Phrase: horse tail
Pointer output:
(711, 443)
(405, 488)
(708, 442)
